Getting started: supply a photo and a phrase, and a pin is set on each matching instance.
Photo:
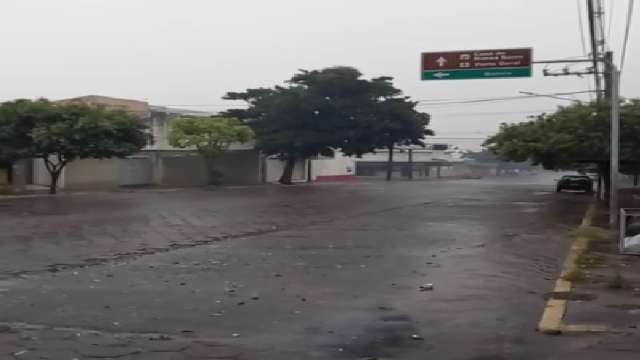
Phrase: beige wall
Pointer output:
(241, 167)
(92, 174)
(181, 170)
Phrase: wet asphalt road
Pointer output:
(323, 271)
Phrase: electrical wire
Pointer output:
(434, 102)
(611, 2)
(583, 41)
(581, 28)
(489, 113)
(626, 34)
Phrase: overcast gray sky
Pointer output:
(188, 53)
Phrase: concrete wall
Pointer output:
(419, 155)
(182, 170)
(275, 167)
(40, 175)
(80, 174)
(92, 174)
(338, 168)
(239, 167)
(21, 174)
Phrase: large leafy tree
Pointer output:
(574, 137)
(320, 111)
(210, 136)
(59, 134)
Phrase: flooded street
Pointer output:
(328, 271)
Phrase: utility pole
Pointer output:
(604, 71)
(615, 146)
(593, 34)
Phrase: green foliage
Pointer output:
(59, 134)
(17, 120)
(75, 131)
(323, 110)
(569, 138)
(585, 261)
(209, 135)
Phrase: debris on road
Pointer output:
(426, 287)
(416, 337)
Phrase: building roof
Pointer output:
(137, 107)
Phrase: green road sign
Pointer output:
(491, 73)
(477, 64)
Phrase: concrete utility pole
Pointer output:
(615, 146)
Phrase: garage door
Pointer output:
(136, 170)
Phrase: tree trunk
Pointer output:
(390, 163)
(635, 179)
(287, 173)
(53, 186)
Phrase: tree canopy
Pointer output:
(17, 119)
(320, 111)
(61, 133)
(570, 138)
(209, 135)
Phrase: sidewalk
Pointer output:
(605, 300)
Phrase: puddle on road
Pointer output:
(389, 335)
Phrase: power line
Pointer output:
(626, 34)
(583, 41)
(489, 113)
(611, 2)
(503, 98)
(581, 28)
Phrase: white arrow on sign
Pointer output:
(440, 75)
(441, 61)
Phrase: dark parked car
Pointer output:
(575, 182)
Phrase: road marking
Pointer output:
(552, 318)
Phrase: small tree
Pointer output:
(210, 136)
(64, 133)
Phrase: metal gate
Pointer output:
(135, 170)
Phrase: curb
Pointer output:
(551, 322)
